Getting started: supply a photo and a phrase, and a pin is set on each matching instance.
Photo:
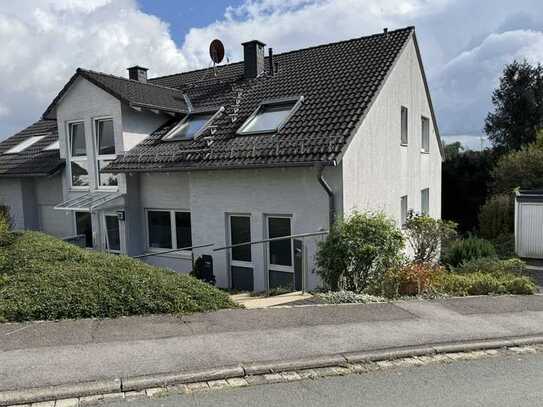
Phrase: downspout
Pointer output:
(330, 193)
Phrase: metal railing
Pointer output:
(273, 239)
(173, 250)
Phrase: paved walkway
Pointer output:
(253, 302)
(49, 353)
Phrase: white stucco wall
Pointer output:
(137, 126)
(48, 194)
(11, 194)
(211, 195)
(377, 170)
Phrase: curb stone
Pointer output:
(79, 394)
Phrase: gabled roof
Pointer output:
(34, 160)
(338, 82)
(134, 93)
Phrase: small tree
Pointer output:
(496, 218)
(358, 251)
(426, 235)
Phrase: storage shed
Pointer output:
(529, 223)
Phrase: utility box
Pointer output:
(529, 224)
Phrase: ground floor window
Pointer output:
(113, 236)
(403, 211)
(83, 226)
(168, 229)
(425, 201)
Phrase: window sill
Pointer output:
(424, 152)
(404, 145)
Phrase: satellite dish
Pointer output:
(216, 51)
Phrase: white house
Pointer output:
(267, 147)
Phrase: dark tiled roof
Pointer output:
(338, 82)
(133, 92)
(32, 161)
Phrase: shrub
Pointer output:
(348, 297)
(5, 234)
(425, 235)
(484, 284)
(358, 251)
(505, 246)
(410, 279)
(491, 265)
(496, 217)
(45, 278)
(464, 250)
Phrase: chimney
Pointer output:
(137, 73)
(253, 56)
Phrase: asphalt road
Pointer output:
(499, 381)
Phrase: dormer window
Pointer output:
(190, 127)
(23, 145)
(269, 117)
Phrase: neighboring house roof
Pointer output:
(34, 160)
(338, 82)
(134, 93)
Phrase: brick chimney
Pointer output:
(137, 73)
(253, 57)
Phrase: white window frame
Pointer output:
(84, 158)
(279, 267)
(215, 114)
(403, 216)
(422, 193)
(297, 102)
(238, 263)
(406, 143)
(422, 137)
(173, 231)
(106, 237)
(104, 157)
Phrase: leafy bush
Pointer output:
(45, 278)
(348, 297)
(464, 250)
(425, 235)
(483, 284)
(5, 235)
(496, 216)
(410, 279)
(505, 246)
(358, 251)
(491, 265)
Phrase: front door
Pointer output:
(241, 265)
(280, 254)
(112, 233)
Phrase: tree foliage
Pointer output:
(358, 251)
(425, 236)
(518, 107)
(520, 169)
(497, 216)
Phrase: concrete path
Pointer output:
(51, 353)
(253, 302)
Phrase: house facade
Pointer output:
(271, 146)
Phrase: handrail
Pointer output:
(173, 250)
(273, 239)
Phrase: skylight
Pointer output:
(53, 146)
(189, 128)
(268, 117)
(24, 144)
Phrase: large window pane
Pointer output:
(106, 141)
(83, 226)
(268, 118)
(80, 175)
(113, 235)
(160, 229)
(106, 180)
(77, 140)
(280, 251)
(190, 127)
(240, 232)
(183, 229)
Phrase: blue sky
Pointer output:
(464, 43)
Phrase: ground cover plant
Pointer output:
(43, 278)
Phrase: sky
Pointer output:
(464, 43)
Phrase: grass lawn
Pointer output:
(44, 278)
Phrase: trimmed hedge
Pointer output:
(42, 277)
(491, 265)
(484, 283)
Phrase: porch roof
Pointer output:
(89, 201)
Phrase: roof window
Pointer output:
(270, 116)
(53, 146)
(190, 127)
(23, 145)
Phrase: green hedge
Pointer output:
(44, 278)
(463, 250)
(491, 265)
(484, 283)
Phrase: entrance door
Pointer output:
(112, 233)
(241, 266)
(280, 254)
